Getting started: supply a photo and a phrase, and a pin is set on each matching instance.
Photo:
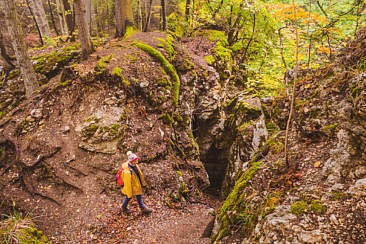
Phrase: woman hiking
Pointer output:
(133, 182)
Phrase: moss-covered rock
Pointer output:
(18, 229)
(51, 64)
(235, 210)
(102, 133)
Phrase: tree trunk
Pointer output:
(139, 11)
(62, 17)
(69, 16)
(40, 16)
(35, 22)
(188, 8)
(7, 62)
(292, 106)
(52, 17)
(124, 16)
(90, 16)
(83, 28)
(163, 15)
(146, 27)
(17, 37)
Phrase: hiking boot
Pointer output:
(146, 210)
(126, 211)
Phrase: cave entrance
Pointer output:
(215, 162)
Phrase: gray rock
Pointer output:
(36, 113)
(359, 188)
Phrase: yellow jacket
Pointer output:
(132, 185)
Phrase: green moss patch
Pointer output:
(235, 210)
(102, 63)
(168, 45)
(117, 71)
(51, 64)
(167, 66)
(130, 30)
(299, 207)
(18, 229)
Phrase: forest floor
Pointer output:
(191, 223)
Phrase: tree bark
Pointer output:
(35, 22)
(289, 120)
(52, 17)
(7, 62)
(17, 36)
(147, 23)
(69, 16)
(163, 15)
(62, 17)
(83, 28)
(188, 8)
(124, 16)
(40, 16)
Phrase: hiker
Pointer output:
(133, 180)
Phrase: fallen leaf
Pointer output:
(317, 164)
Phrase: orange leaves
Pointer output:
(284, 12)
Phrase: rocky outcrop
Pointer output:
(228, 126)
(320, 196)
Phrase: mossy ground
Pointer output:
(18, 229)
(167, 66)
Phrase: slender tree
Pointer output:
(309, 35)
(62, 17)
(163, 15)
(52, 17)
(148, 18)
(69, 16)
(35, 22)
(124, 16)
(90, 16)
(188, 9)
(83, 28)
(17, 37)
(288, 125)
(40, 17)
(139, 15)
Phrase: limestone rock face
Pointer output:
(249, 133)
(102, 130)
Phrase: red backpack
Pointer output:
(119, 179)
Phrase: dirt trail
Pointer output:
(186, 224)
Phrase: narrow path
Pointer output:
(175, 226)
(186, 224)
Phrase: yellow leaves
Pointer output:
(322, 49)
(285, 12)
(273, 201)
(317, 164)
